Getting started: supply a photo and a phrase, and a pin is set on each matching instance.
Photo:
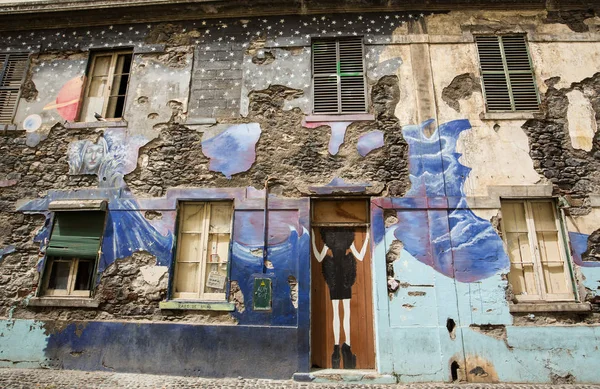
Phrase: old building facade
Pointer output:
(221, 189)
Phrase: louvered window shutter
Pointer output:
(508, 78)
(12, 71)
(338, 76)
(76, 234)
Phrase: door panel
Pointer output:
(337, 267)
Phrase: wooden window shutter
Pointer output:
(507, 73)
(338, 76)
(12, 72)
(76, 234)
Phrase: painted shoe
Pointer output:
(349, 358)
(335, 357)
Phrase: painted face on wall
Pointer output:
(93, 156)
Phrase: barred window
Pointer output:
(508, 79)
(338, 76)
(12, 71)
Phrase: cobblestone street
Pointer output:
(63, 379)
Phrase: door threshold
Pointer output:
(357, 376)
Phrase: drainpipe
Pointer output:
(266, 224)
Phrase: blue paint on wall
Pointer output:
(128, 232)
(176, 349)
(7, 250)
(368, 142)
(233, 150)
(465, 247)
(339, 185)
(579, 243)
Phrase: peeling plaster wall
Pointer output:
(145, 108)
(215, 108)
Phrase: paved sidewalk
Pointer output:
(63, 379)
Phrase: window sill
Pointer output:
(8, 127)
(197, 305)
(507, 115)
(63, 302)
(97, 124)
(550, 307)
(339, 118)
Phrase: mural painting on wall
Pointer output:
(238, 140)
(458, 244)
(68, 99)
(338, 261)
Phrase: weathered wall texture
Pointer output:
(216, 108)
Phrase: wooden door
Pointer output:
(340, 225)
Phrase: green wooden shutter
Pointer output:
(12, 71)
(338, 76)
(508, 78)
(76, 234)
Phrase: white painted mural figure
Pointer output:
(338, 260)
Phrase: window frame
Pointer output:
(73, 269)
(69, 292)
(507, 72)
(7, 56)
(534, 252)
(339, 74)
(204, 233)
(114, 54)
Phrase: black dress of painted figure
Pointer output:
(339, 270)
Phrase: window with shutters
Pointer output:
(72, 253)
(12, 72)
(508, 79)
(539, 266)
(108, 78)
(338, 76)
(203, 239)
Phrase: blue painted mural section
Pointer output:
(173, 349)
(339, 185)
(126, 231)
(458, 244)
(7, 250)
(233, 150)
(579, 243)
(370, 141)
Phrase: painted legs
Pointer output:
(349, 358)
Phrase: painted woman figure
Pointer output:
(338, 261)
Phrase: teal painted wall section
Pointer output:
(414, 343)
(591, 278)
(22, 344)
(534, 354)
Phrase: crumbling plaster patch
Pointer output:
(450, 61)
(461, 87)
(582, 121)
(143, 111)
(574, 173)
(578, 61)
(584, 224)
(496, 157)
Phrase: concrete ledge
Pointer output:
(506, 115)
(77, 205)
(8, 127)
(63, 302)
(97, 124)
(339, 118)
(198, 305)
(341, 376)
(193, 121)
(550, 307)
